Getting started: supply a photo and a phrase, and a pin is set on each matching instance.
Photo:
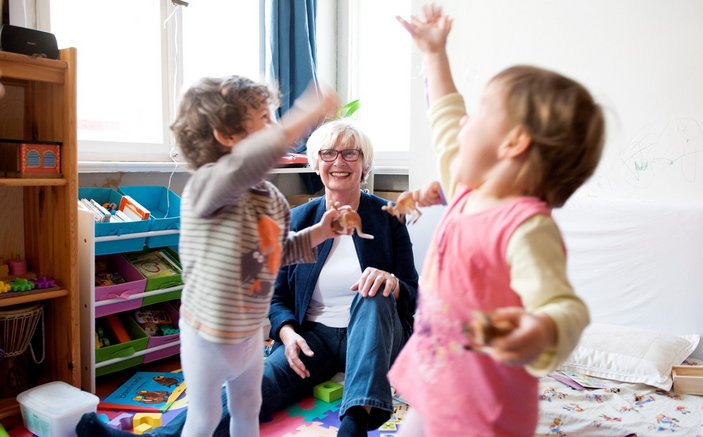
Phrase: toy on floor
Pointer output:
(328, 391)
(144, 422)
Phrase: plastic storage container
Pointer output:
(108, 195)
(165, 208)
(54, 409)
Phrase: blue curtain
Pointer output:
(294, 58)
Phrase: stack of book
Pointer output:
(127, 211)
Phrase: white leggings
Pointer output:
(206, 367)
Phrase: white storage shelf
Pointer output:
(89, 307)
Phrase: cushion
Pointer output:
(630, 354)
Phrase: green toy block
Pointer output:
(328, 391)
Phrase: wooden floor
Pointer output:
(106, 384)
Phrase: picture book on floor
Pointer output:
(146, 391)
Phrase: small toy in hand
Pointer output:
(482, 330)
(404, 209)
(348, 219)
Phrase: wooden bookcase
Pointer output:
(38, 215)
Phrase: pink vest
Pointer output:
(460, 392)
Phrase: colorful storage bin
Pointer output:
(137, 343)
(165, 208)
(108, 195)
(134, 281)
(161, 268)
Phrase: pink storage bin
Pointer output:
(163, 353)
(134, 281)
(158, 340)
(117, 307)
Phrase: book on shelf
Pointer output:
(146, 391)
(155, 264)
(133, 209)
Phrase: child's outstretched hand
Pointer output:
(327, 228)
(429, 35)
(430, 195)
(308, 111)
(531, 336)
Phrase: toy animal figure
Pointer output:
(404, 209)
(348, 219)
(482, 330)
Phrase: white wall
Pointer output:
(642, 60)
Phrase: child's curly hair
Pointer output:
(216, 103)
(566, 126)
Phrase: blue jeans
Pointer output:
(364, 352)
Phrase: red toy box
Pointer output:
(30, 159)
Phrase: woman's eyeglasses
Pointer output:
(349, 155)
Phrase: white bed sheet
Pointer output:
(620, 410)
(637, 263)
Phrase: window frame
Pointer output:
(337, 21)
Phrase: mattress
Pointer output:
(618, 409)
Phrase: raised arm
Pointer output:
(430, 36)
(446, 105)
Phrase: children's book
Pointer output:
(578, 381)
(146, 391)
(155, 264)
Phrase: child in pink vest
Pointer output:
(535, 138)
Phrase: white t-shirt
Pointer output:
(332, 297)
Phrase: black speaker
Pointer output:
(30, 42)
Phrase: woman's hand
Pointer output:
(429, 35)
(430, 195)
(295, 344)
(532, 335)
(373, 279)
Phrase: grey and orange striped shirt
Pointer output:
(234, 236)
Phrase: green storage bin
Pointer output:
(117, 367)
(120, 350)
(161, 268)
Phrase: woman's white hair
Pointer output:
(346, 132)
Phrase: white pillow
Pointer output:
(630, 354)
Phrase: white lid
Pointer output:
(57, 399)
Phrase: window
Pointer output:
(378, 52)
(136, 56)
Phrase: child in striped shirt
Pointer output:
(234, 236)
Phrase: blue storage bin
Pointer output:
(165, 208)
(108, 195)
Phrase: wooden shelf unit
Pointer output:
(38, 215)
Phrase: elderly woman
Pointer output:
(351, 311)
